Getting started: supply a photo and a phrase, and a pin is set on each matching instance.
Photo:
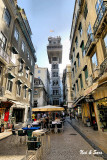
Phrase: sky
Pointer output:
(47, 15)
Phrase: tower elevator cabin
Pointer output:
(54, 51)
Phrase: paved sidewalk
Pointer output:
(5, 134)
(99, 138)
(8, 132)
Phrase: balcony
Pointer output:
(103, 66)
(54, 47)
(90, 44)
(101, 20)
(4, 55)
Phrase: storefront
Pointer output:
(19, 112)
(4, 115)
(101, 106)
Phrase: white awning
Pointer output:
(19, 105)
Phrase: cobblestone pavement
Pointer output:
(67, 146)
(64, 146)
(12, 149)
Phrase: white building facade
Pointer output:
(54, 50)
(43, 74)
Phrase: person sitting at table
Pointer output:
(35, 119)
(57, 118)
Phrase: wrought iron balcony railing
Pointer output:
(100, 16)
(90, 44)
(4, 55)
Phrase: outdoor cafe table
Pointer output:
(41, 133)
(35, 124)
(31, 128)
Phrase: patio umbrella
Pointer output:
(47, 108)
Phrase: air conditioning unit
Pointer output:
(89, 81)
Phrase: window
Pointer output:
(72, 59)
(74, 51)
(98, 7)
(9, 85)
(29, 95)
(80, 29)
(19, 89)
(27, 55)
(16, 34)
(74, 91)
(77, 86)
(3, 41)
(86, 73)
(35, 92)
(13, 57)
(20, 67)
(73, 72)
(55, 74)
(78, 57)
(55, 83)
(85, 11)
(55, 66)
(7, 17)
(75, 67)
(27, 73)
(94, 61)
(39, 71)
(76, 41)
(89, 32)
(25, 95)
(30, 78)
(81, 82)
(55, 92)
(54, 58)
(23, 46)
(82, 48)
(105, 45)
(31, 62)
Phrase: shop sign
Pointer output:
(92, 88)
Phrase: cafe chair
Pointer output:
(21, 133)
(60, 127)
(52, 127)
(33, 146)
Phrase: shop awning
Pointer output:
(75, 104)
(47, 108)
(17, 104)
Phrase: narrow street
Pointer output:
(64, 146)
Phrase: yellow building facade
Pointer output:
(88, 55)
